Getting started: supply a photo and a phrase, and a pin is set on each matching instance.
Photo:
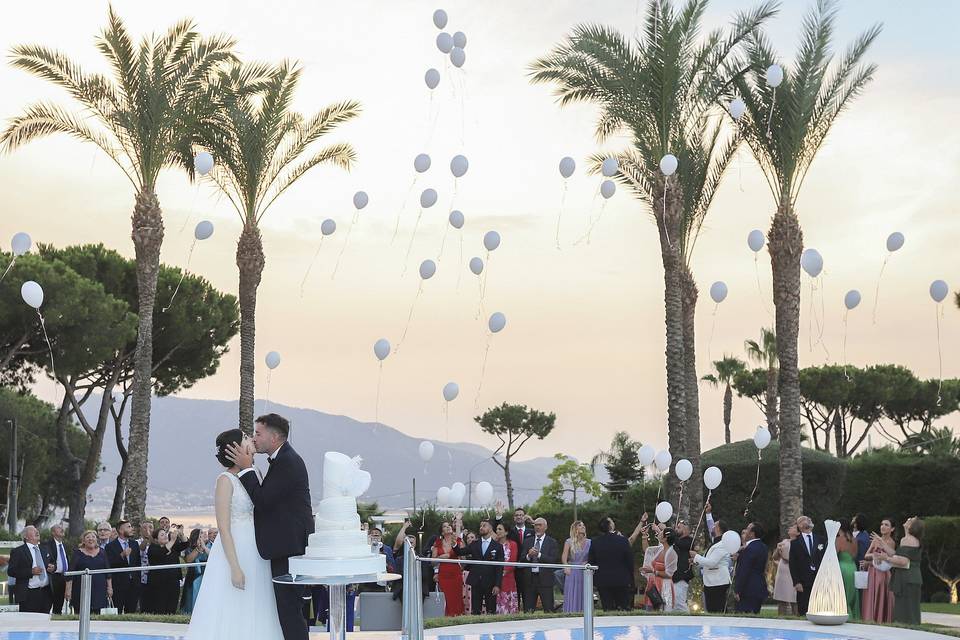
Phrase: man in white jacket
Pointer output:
(715, 569)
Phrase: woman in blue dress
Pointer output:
(89, 556)
(196, 552)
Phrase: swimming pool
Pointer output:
(661, 632)
(58, 635)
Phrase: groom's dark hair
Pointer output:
(276, 423)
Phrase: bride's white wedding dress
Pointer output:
(222, 610)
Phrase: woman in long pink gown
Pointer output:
(877, 603)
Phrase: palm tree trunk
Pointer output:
(669, 228)
(694, 490)
(727, 411)
(785, 246)
(147, 238)
(250, 262)
(772, 401)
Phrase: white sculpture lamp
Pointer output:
(828, 599)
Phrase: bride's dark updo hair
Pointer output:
(228, 437)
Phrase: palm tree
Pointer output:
(263, 146)
(784, 135)
(659, 92)
(933, 441)
(145, 116)
(725, 370)
(765, 353)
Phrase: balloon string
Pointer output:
(409, 316)
(479, 297)
(483, 371)
(773, 101)
(680, 502)
(810, 319)
(13, 261)
(821, 320)
(603, 207)
(396, 227)
(443, 242)
(182, 276)
(847, 375)
(356, 215)
(756, 485)
(939, 357)
(196, 192)
(303, 282)
(563, 200)
(43, 326)
(700, 519)
(376, 409)
(266, 400)
(713, 326)
(756, 269)
(412, 238)
(460, 262)
(666, 227)
(876, 294)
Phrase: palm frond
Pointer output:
(341, 155)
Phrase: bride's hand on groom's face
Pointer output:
(240, 455)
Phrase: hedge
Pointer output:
(884, 482)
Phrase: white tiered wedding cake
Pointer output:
(338, 546)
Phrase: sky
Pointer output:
(585, 333)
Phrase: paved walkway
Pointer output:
(943, 619)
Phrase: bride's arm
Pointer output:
(222, 497)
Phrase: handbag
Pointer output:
(860, 579)
(109, 610)
(655, 598)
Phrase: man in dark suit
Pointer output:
(524, 533)
(611, 554)
(59, 564)
(28, 564)
(750, 582)
(282, 514)
(539, 548)
(124, 552)
(484, 580)
(806, 553)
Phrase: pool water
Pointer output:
(57, 635)
(659, 632)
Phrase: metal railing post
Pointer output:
(417, 604)
(408, 594)
(86, 586)
(588, 604)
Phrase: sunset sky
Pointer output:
(584, 335)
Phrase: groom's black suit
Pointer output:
(283, 518)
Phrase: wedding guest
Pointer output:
(144, 541)
(196, 551)
(612, 556)
(90, 556)
(783, 591)
(449, 577)
(212, 534)
(484, 579)
(906, 581)
(576, 550)
(806, 553)
(523, 532)
(468, 537)
(104, 534)
(684, 572)
(508, 601)
(878, 599)
(715, 572)
(750, 582)
(163, 585)
(641, 528)
(541, 548)
(124, 553)
(28, 565)
(659, 565)
(858, 525)
(59, 564)
(846, 552)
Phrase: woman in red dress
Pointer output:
(450, 576)
(507, 601)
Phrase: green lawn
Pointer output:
(940, 607)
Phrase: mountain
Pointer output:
(182, 468)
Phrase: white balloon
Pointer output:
(761, 438)
(731, 541)
(567, 166)
(360, 200)
(273, 360)
(939, 290)
(894, 241)
(443, 496)
(774, 75)
(852, 299)
(497, 322)
(662, 460)
(450, 391)
(381, 349)
(428, 198)
(328, 226)
(460, 40)
(718, 291)
(421, 163)
(664, 512)
(737, 107)
(755, 240)
(203, 163)
(432, 78)
(458, 56)
(812, 262)
(668, 164)
(491, 240)
(459, 166)
(646, 454)
(32, 294)
(203, 230)
(444, 42)
(21, 243)
(427, 269)
(607, 189)
(610, 167)
(440, 18)
(476, 265)
(484, 493)
(426, 450)
(712, 478)
(457, 492)
(456, 219)
(683, 469)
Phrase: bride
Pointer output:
(236, 599)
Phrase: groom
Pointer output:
(282, 514)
